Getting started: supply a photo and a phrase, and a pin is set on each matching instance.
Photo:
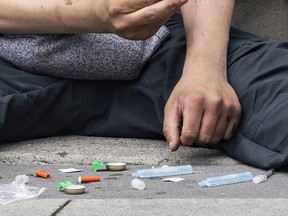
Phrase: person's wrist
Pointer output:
(205, 65)
(208, 60)
(100, 16)
(77, 17)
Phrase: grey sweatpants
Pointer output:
(33, 106)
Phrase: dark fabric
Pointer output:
(258, 71)
(46, 106)
(34, 106)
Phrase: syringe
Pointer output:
(226, 179)
(260, 178)
(163, 171)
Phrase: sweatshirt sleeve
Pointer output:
(81, 56)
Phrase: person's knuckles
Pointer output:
(204, 138)
(215, 140)
(215, 105)
(197, 98)
(120, 25)
(174, 5)
(215, 100)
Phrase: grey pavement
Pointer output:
(268, 18)
(113, 195)
(84, 150)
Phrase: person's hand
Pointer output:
(138, 19)
(202, 108)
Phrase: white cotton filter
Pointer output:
(137, 184)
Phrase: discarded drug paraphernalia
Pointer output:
(172, 179)
(260, 178)
(69, 170)
(96, 165)
(18, 190)
(116, 166)
(163, 171)
(42, 174)
(226, 179)
(137, 184)
(74, 189)
(85, 179)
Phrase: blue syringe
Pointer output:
(226, 179)
(163, 171)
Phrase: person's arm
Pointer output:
(203, 103)
(127, 18)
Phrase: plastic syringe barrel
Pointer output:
(227, 179)
(163, 171)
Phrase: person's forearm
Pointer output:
(48, 16)
(207, 24)
(136, 20)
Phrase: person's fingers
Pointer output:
(220, 128)
(156, 13)
(192, 117)
(129, 6)
(208, 125)
(171, 126)
(142, 23)
(232, 126)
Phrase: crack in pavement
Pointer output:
(61, 208)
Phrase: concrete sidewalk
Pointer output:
(83, 150)
(114, 195)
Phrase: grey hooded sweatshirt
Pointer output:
(81, 56)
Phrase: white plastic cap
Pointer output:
(21, 179)
(137, 184)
